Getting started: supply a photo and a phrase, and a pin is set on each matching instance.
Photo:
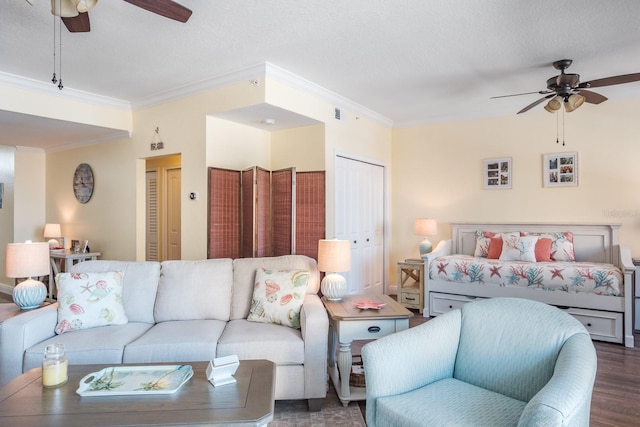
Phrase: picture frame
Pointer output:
(497, 174)
(560, 169)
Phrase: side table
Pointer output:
(62, 261)
(348, 323)
(411, 284)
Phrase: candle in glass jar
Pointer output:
(54, 366)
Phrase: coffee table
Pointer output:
(249, 402)
(348, 323)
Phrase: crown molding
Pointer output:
(43, 88)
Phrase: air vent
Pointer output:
(337, 114)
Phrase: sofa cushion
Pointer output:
(244, 274)
(446, 403)
(103, 345)
(250, 340)
(176, 341)
(89, 300)
(139, 285)
(278, 296)
(194, 290)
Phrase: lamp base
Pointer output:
(29, 294)
(333, 287)
(425, 246)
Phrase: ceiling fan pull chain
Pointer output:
(557, 128)
(60, 54)
(563, 127)
(54, 80)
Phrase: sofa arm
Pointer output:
(21, 332)
(314, 326)
(410, 359)
(566, 399)
(444, 247)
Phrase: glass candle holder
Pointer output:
(54, 366)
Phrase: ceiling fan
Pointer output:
(566, 89)
(75, 13)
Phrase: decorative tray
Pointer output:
(130, 380)
(363, 305)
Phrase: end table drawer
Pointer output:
(413, 299)
(369, 330)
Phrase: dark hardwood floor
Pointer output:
(616, 393)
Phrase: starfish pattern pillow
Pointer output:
(89, 300)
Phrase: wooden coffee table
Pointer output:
(249, 402)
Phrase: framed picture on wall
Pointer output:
(496, 174)
(560, 170)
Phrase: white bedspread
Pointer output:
(592, 278)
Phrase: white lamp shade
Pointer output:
(27, 259)
(52, 230)
(334, 255)
(425, 227)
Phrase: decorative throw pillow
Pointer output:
(89, 300)
(495, 248)
(561, 245)
(483, 241)
(278, 296)
(543, 250)
(516, 248)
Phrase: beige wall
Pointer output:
(437, 173)
(301, 147)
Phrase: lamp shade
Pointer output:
(334, 255)
(574, 102)
(425, 227)
(554, 104)
(52, 230)
(27, 259)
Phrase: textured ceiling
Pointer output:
(412, 61)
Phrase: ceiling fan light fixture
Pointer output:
(64, 8)
(574, 102)
(553, 105)
(85, 5)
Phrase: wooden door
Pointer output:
(151, 226)
(360, 219)
(173, 231)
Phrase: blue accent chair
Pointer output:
(494, 362)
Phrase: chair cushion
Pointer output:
(250, 340)
(176, 341)
(448, 402)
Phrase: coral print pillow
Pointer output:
(278, 296)
(89, 300)
(483, 241)
(516, 248)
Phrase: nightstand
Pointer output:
(411, 284)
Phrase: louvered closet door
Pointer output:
(360, 219)
(152, 228)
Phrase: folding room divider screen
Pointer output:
(256, 212)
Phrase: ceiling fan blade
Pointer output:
(78, 24)
(167, 8)
(592, 97)
(613, 80)
(541, 92)
(533, 104)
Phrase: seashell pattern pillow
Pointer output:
(89, 300)
(278, 296)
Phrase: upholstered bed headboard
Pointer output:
(592, 242)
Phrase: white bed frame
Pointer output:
(607, 318)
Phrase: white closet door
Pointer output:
(360, 219)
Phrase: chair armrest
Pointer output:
(410, 359)
(314, 326)
(566, 398)
(21, 332)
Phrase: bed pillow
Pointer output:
(543, 249)
(561, 245)
(278, 296)
(495, 248)
(483, 241)
(89, 300)
(516, 248)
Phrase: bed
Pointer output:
(595, 284)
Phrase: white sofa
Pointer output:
(183, 311)
(607, 318)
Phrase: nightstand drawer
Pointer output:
(411, 299)
(370, 329)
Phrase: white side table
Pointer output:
(69, 258)
(348, 323)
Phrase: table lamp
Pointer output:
(425, 227)
(334, 256)
(28, 260)
(54, 232)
